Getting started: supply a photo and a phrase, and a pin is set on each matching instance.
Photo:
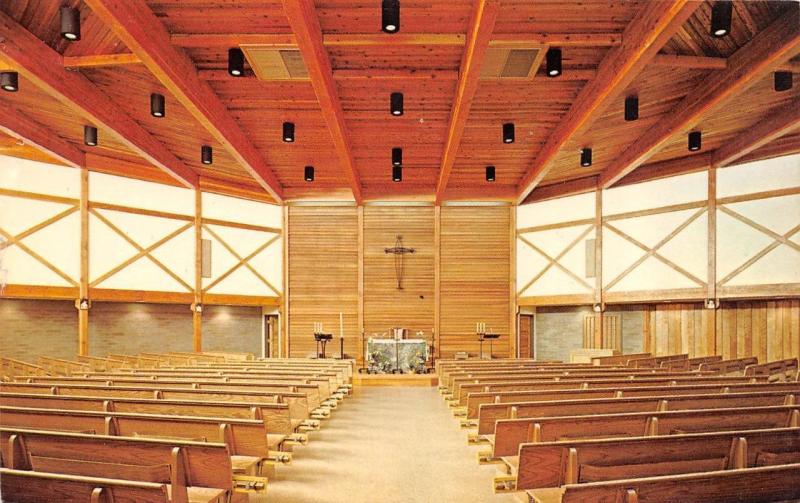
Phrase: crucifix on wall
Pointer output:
(399, 251)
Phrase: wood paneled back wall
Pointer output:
(460, 273)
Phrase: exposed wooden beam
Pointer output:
(303, 19)
(13, 123)
(768, 49)
(484, 15)
(708, 63)
(647, 32)
(44, 67)
(142, 32)
(367, 39)
(561, 189)
(772, 127)
(96, 60)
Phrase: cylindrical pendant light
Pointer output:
(721, 14)
(695, 141)
(783, 81)
(586, 157)
(71, 23)
(235, 62)
(490, 173)
(288, 132)
(308, 173)
(396, 104)
(157, 105)
(631, 108)
(390, 16)
(9, 81)
(90, 136)
(397, 173)
(553, 58)
(206, 154)
(508, 132)
(397, 156)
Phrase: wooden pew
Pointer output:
(58, 366)
(654, 361)
(618, 359)
(10, 368)
(489, 414)
(588, 383)
(729, 366)
(275, 416)
(764, 484)
(195, 471)
(689, 364)
(554, 464)
(781, 370)
(22, 486)
(477, 399)
(296, 402)
(246, 438)
(510, 433)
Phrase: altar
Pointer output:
(405, 356)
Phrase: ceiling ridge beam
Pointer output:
(484, 15)
(305, 25)
(44, 67)
(648, 31)
(773, 126)
(708, 62)
(14, 123)
(766, 51)
(142, 32)
(99, 60)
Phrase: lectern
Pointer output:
(491, 338)
(322, 339)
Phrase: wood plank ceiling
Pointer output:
(440, 59)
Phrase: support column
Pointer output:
(197, 314)
(83, 302)
(598, 268)
(513, 329)
(283, 351)
(710, 315)
(437, 278)
(360, 345)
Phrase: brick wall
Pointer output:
(232, 328)
(130, 328)
(33, 328)
(558, 331)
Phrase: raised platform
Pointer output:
(395, 380)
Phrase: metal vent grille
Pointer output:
(506, 62)
(273, 63)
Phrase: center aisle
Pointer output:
(387, 444)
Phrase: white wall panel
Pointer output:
(234, 209)
(565, 209)
(656, 193)
(140, 194)
(759, 176)
(39, 177)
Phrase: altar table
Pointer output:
(390, 355)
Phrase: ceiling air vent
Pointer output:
(517, 62)
(273, 63)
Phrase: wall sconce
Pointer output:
(83, 304)
(597, 308)
(197, 308)
(711, 304)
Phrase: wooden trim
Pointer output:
(557, 300)
(759, 195)
(94, 205)
(437, 278)
(695, 62)
(43, 66)
(639, 296)
(768, 49)
(557, 225)
(655, 211)
(100, 60)
(17, 125)
(360, 218)
(561, 189)
(39, 197)
(484, 15)
(513, 350)
(83, 314)
(647, 32)
(780, 290)
(40, 292)
(144, 34)
(303, 19)
(249, 227)
(212, 299)
(778, 123)
(149, 296)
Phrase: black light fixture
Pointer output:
(288, 132)
(396, 104)
(721, 14)
(71, 23)
(157, 105)
(490, 174)
(9, 81)
(783, 81)
(397, 173)
(90, 136)
(508, 132)
(397, 156)
(390, 16)
(586, 157)
(206, 154)
(631, 108)
(308, 173)
(695, 141)
(553, 58)
(235, 62)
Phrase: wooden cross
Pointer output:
(398, 251)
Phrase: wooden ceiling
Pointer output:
(660, 51)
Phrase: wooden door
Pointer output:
(525, 343)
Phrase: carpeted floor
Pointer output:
(387, 445)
